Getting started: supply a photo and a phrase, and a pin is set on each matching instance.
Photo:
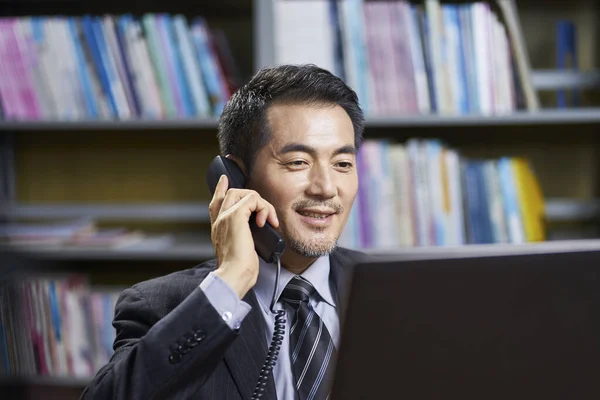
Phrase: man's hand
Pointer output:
(230, 212)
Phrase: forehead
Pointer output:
(319, 126)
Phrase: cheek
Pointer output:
(281, 192)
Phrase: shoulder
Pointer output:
(166, 292)
(347, 257)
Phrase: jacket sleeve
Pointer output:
(153, 356)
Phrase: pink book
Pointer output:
(24, 96)
(7, 96)
(375, 71)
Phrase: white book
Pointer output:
(117, 86)
(496, 205)
(457, 226)
(133, 60)
(509, 104)
(113, 46)
(418, 172)
(511, 16)
(402, 193)
(483, 63)
(53, 64)
(304, 33)
(452, 50)
(72, 69)
(144, 70)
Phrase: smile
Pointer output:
(316, 218)
(313, 215)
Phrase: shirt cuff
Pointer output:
(225, 301)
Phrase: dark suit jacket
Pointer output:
(171, 343)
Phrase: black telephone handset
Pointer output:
(269, 246)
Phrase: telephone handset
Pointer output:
(269, 246)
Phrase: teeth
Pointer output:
(318, 216)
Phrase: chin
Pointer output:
(313, 246)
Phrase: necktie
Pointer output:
(312, 350)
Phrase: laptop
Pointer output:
(520, 322)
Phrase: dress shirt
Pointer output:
(233, 310)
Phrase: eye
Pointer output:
(296, 164)
(345, 165)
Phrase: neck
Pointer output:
(296, 263)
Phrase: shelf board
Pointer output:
(201, 249)
(109, 125)
(557, 209)
(183, 212)
(195, 252)
(543, 117)
(554, 79)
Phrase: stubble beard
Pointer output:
(314, 247)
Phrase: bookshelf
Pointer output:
(149, 174)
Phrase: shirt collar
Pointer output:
(317, 274)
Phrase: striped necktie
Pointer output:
(312, 351)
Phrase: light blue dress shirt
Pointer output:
(233, 310)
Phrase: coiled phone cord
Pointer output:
(276, 341)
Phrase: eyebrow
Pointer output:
(302, 148)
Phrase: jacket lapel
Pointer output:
(248, 352)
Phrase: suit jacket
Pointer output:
(171, 343)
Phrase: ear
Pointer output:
(239, 163)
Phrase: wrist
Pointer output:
(240, 280)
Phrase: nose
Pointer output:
(322, 182)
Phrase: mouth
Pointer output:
(316, 218)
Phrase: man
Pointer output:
(203, 333)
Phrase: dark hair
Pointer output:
(243, 127)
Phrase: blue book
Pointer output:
(485, 219)
(566, 58)
(208, 64)
(90, 100)
(186, 95)
(508, 188)
(55, 311)
(121, 24)
(465, 105)
(473, 211)
(89, 31)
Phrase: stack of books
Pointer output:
(55, 326)
(113, 67)
(79, 234)
(425, 193)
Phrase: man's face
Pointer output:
(308, 172)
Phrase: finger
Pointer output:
(272, 219)
(217, 200)
(233, 196)
(250, 203)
